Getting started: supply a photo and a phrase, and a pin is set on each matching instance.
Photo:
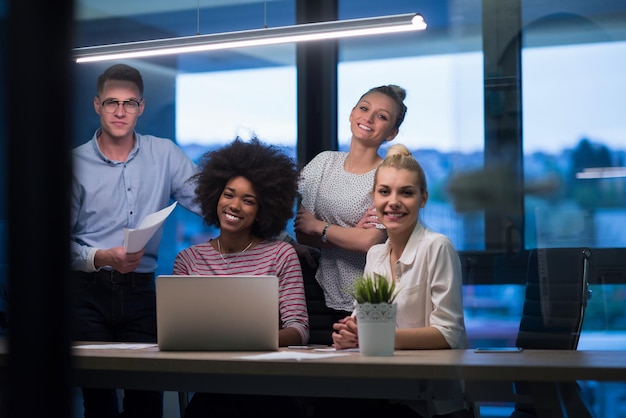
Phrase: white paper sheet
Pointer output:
(291, 355)
(331, 349)
(137, 238)
(125, 346)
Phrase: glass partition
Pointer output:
(559, 124)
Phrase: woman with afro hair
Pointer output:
(248, 191)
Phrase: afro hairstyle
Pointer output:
(273, 174)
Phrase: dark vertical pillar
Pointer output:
(502, 45)
(317, 84)
(40, 109)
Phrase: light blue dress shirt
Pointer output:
(108, 196)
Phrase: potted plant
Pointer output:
(374, 297)
(374, 289)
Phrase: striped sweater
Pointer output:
(268, 257)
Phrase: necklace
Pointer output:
(228, 263)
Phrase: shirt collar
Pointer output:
(410, 250)
(131, 155)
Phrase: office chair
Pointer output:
(183, 402)
(557, 291)
(321, 318)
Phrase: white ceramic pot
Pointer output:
(376, 326)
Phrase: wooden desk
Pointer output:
(396, 377)
(384, 377)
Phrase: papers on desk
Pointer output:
(291, 355)
(123, 346)
(137, 238)
(343, 350)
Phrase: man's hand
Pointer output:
(118, 259)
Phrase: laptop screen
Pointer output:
(223, 313)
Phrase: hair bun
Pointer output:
(398, 149)
(398, 90)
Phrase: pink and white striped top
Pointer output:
(268, 257)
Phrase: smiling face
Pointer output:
(373, 119)
(398, 198)
(237, 206)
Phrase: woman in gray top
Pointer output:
(335, 188)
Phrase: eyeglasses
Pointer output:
(130, 106)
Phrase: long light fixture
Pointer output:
(256, 37)
(602, 173)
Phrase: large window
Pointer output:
(574, 144)
(574, 157)
(215, 107)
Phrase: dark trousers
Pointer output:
(342, 407)
(109, 306)
(213, 405)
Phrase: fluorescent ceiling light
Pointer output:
(256, 37)
(602, 173)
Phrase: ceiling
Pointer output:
(98, 9)
(100, 22)
(118, 21)
(453, 25)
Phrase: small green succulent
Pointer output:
(374, 289)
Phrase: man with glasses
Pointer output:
(119, 177)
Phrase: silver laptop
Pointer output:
(217, 313)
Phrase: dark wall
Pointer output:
(3, 167)
(38, 131)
